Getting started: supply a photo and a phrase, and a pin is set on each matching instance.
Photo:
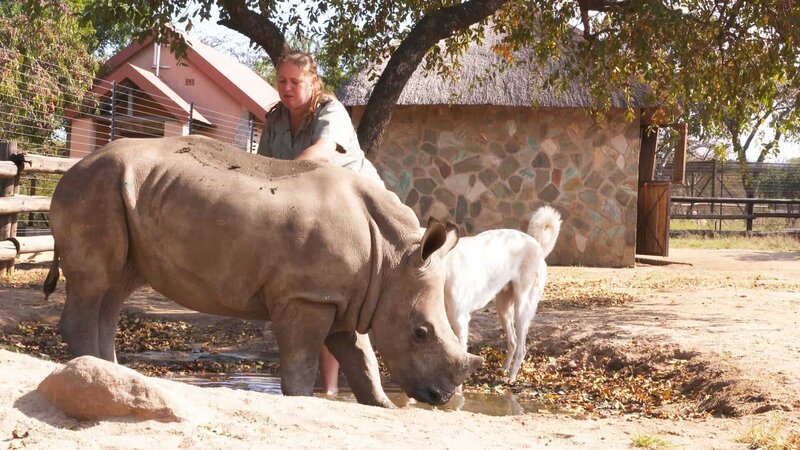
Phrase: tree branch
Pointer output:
(258, 27)
(753, 132)
(730, 22)
(583, 6)
(434, 27)
(776, 139)
(603, 5)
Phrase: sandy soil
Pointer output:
(732, 314)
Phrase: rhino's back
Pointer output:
(198, 152)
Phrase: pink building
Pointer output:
(147, 92)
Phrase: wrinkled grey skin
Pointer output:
(324, 254)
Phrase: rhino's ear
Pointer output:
(437, 237)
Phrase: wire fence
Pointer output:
(116, 109)
(717, 178)
(109, 111)
(715, 196)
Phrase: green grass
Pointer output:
(772, 243)
(762, 224)
(649, 442)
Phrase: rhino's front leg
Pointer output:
(357, 360)
(300, 328)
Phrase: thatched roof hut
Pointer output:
(484, 78)
(488, 147)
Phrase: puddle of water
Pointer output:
(489, 404)
(179, 357)
(257, 382)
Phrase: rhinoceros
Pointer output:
(323, 253)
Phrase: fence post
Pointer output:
(250, 133)
(191, 114)
(8, 188)
(721, 188)
(32, 192)
(714, 188)
(113, 110)
(749, 209)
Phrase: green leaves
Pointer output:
(45, 66)
(714, 60)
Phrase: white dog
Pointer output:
(507, 265)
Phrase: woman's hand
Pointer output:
(322, 150)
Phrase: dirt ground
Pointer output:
(726, 319)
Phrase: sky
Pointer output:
(234, 40)
(788, 151)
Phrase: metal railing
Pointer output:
(727, 208)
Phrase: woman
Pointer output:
(309, 123)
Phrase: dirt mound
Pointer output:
(600, 376)
(725, 390)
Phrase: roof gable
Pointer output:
(150, 84)
(236, 79)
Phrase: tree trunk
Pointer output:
(741, 155)
(404, 61)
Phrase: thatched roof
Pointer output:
(519, 85)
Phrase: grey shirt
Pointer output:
(330, 121)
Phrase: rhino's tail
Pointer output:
(52, 276)
(544, 226)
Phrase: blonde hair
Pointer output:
(306, 63)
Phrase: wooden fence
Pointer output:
(744, 208)
(12, 166)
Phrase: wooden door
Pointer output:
(652, 228)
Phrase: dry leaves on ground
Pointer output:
(601, 383)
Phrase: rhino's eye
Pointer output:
(420, 333)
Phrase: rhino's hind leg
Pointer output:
(91, 312)
(357, 360)
(94, 246)
(78, 324)
(300, 328)
(129, 280)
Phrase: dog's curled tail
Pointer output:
(544, 226)
(52, 277)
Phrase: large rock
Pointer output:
(89, 388)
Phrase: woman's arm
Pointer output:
(322, 150)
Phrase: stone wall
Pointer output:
(487, 167)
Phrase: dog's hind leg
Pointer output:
(524, 311)
(504, 303)
(522, 326)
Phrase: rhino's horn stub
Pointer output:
(474, 362)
